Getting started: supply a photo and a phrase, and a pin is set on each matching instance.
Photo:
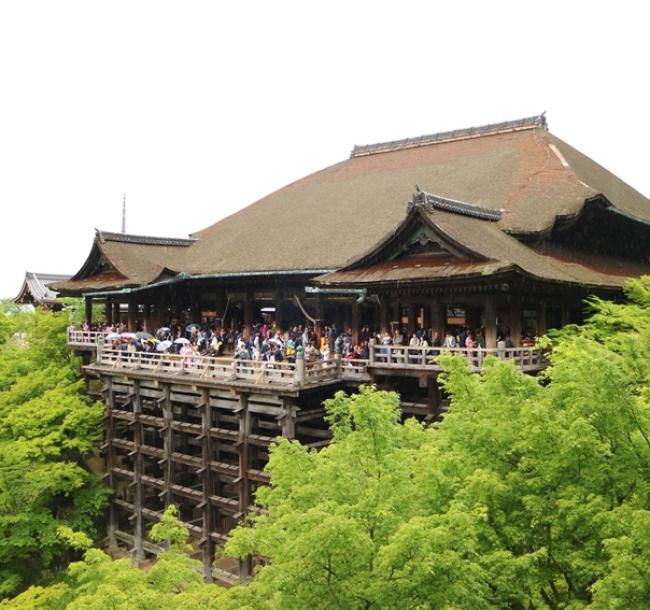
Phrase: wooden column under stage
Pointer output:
(490, 317)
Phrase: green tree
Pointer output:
(532, 493)
(47, 428)
(100, 583)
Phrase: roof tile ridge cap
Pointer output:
(490, 129)
(431, 201)
(137, 238)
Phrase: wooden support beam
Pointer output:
(490, 318)
(138, 471)
(355, 322)
(168, 417)
(249, 306)
(132, 315)
(110, 462)
(245, 565)
(88, 302)
(288, 418)
(207, 550)
(279, 307)
(108, 310)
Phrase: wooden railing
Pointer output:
(396, 357)
(405, 356)
(223, 368)
(84, 338)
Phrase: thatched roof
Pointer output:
(119, 260)
(467, 247)
(516, 174)
(329, 218)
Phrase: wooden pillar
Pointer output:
(412, 324)
(168, 447)
(434, 398)
(206, 484)
(244, 418)
(318, 326)
(395, 318)
(249, 305)
(355, 322)
(110, 459)
(436, 319)
(279, 307)
(138, 471)
(490, 317)
(108, 311)
(288, 419)
(515, 320)
(88, 302)
(133, 313)
(116, 312)
(566, 314)
(146, 325)
(384, 314)
(541, 317)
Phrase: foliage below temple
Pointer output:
(47, 428)
(531, 494)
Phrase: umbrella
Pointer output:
(165, 329)
(181, 340)
(112, 336)
(127, 335)
(145, 336)
(189, 327)
(163, 346)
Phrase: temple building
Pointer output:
(503, 228)
(36, 290)
(503, 224)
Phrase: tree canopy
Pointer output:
(47, 428)
(532, 493)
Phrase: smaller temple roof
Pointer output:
(120, 260)
(36, 288)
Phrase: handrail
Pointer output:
(407, 356)
(302, 372)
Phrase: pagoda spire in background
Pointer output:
(124, 213)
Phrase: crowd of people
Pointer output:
(268, 342)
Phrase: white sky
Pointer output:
(196, 109)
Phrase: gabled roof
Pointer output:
(474, 246)
(36, 288)
(517, 169)
(118, 260)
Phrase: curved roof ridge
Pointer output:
(450, 136)
(430, 202)
(149, 240)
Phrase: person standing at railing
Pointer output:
(470, 345)
(413, 353)
(450, 341)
